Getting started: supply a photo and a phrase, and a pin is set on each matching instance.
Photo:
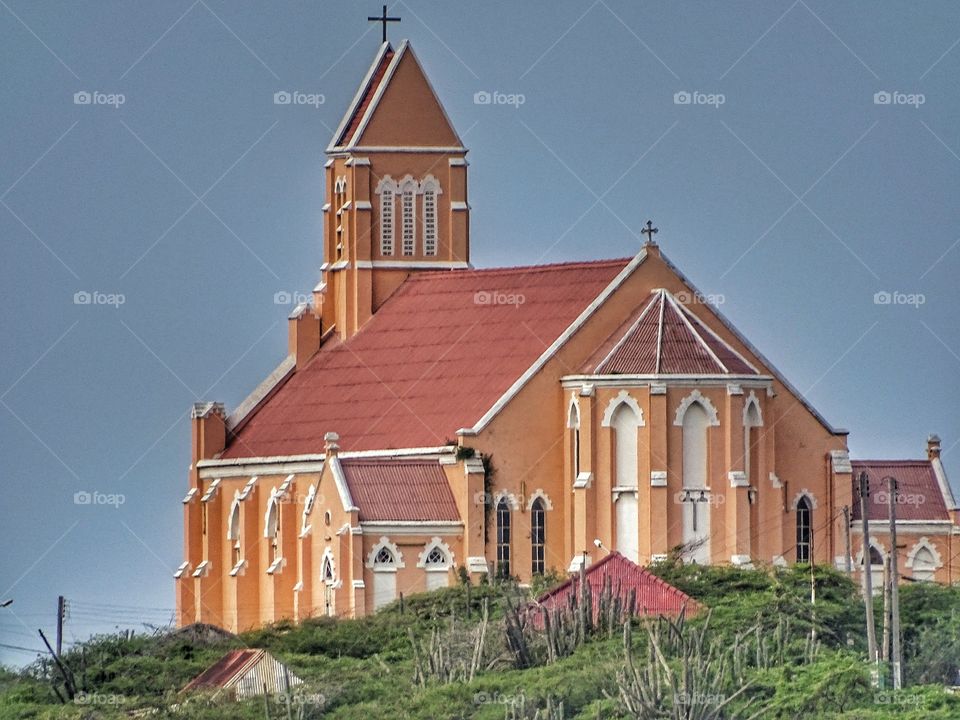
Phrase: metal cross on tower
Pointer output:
(383, 19)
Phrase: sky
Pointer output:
(801, 160)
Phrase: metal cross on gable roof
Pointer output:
(649, 231)
(383, 20)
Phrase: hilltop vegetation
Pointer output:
(762, 651)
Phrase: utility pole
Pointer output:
(897, 659)
(846, 535)
(61, 604)
(885, 643)
(867, 569)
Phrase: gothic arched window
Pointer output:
(804, 530)
(408, 206)
(503, 538)
(387, 190)
(430, 189)
(696, 506)
(538, 536)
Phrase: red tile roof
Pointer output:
(665, 337)
(231, 665)
(919, 493)
(433, 359)
(653, 595)
(401, 490)
(367, 98)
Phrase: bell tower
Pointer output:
(396, 193)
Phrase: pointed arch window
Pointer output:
(233, 532)
(538, 536)
(804, 530)
(573, 422)
(751, 421)
(387, 190)
(272, 529)
(924, 565)
(503, 538)
(431, 190)
(696, 505)
(408, 207)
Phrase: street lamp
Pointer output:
(6, 603)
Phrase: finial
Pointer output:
(650, 231)
(383, 20)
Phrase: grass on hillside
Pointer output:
(364, 668)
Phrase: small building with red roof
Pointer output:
(650, 595)
(431, 420)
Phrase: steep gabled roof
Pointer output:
(436, 357)
(664, 337)
(921, 494)
(653, 596)
(403, 490)
(383, 111)
(226, 670)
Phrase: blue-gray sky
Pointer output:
(198, 199)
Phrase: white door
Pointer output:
(628, 533)
(384, 587)
(437, 579)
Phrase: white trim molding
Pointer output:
(584, 479)
(924, 544)
(840, 461)
(511, 499)
(738, 479)
(539, 493)
(436, 544)
(696, 397)
(804, 493)
(658, 478)
(392, 548)
(775, 480)
(622, 398)
(752, 399)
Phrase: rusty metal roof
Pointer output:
(665, 337)
(400, 490)
(653, 595)
(226, 669)
(919, 494)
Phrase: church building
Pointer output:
(434, 422)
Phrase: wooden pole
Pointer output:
(60, 608)
(846, 535)
(896, 650)
(867, 574)
(885, 643)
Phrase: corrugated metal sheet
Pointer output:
(246, 673)
(438, 354)
(400, 490)
(653, 595)
(660, 338)
(919, 493)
